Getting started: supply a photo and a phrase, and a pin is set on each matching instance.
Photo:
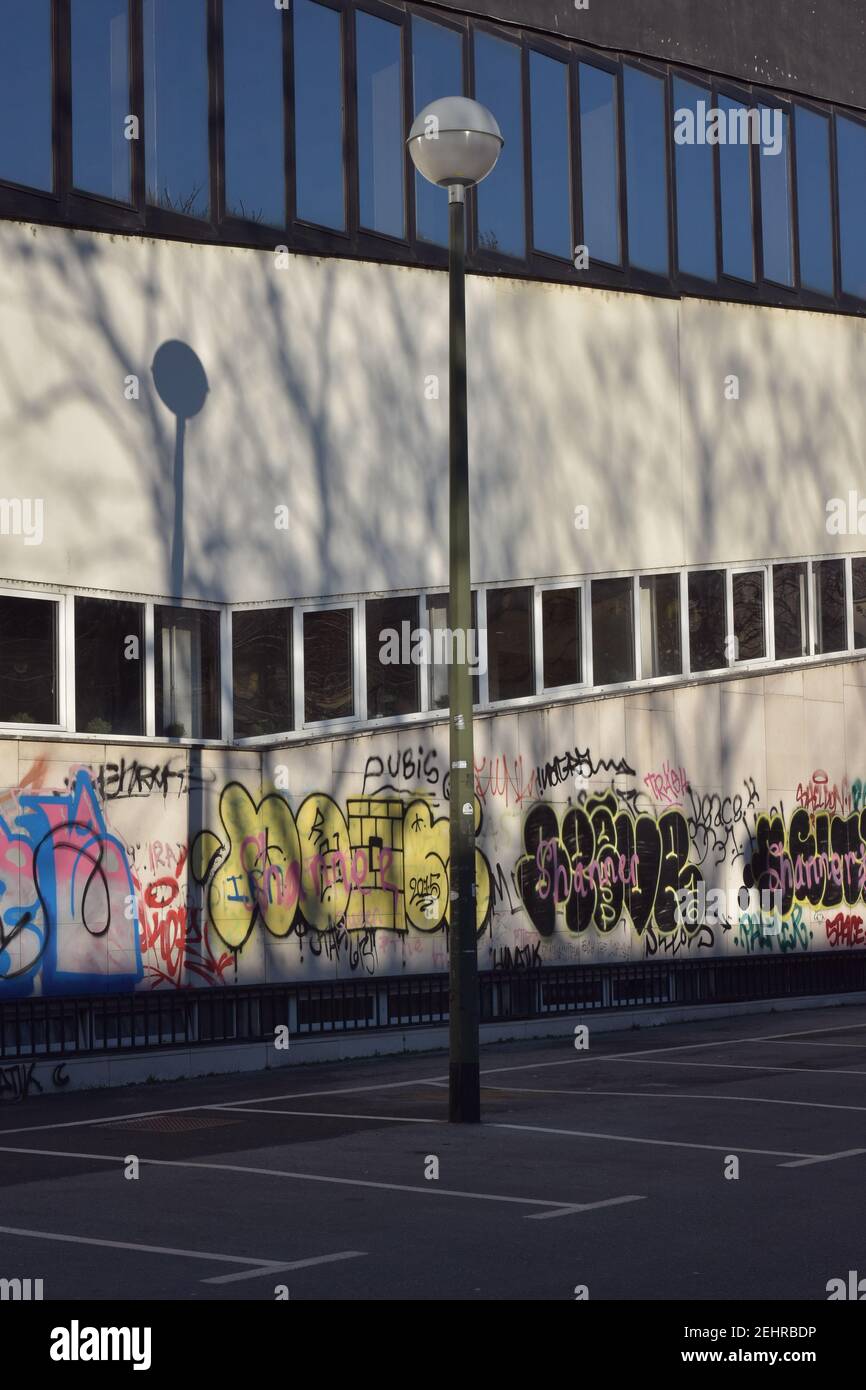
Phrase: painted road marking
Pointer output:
(585, 1206)
(259, 1266)
(825, 1158)
(328, 1115)
(298, 1177)
(671, 1095)
(739, 1066)
(662, 1143)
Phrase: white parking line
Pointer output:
(586, 1206)
(738, 1066)
(429, 1191)
(327, 1115)
(259, 1266)
(662, 1143)
(825, 1158)
(672, 1095)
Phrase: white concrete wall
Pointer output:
(123, 868)
(317, 401)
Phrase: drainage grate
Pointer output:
(174, 1124)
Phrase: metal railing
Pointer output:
(113, 1023)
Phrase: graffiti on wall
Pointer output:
(147, 876)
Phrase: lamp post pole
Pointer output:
(464, 1084)
(455, 143)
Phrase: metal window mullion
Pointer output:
(538, 641)
(298, 666)
(849, 604)
(226, 675)
(769, 615)
(685, 652)
(481, 624)
(66, 663)
(812, 590)
(149, 671)
(636, 630)
(359, 657)
(731, 650)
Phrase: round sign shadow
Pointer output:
(180, 379)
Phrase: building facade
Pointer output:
(223, 520)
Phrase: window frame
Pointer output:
(745, 567)
(64, 656)
(558, 54)
(549, 586)
(359, 666)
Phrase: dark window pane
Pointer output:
(790, 611)
(393, 657)
(696, 194)
(509, 644)
(253, 68)
(262, 671)
(661, 653)
(814, 214)
(612, 631)
(437, 71)
(735, 167)
(749, 616)
(858, 581)
(645, 169)
(707, 620)
(109, 666)
(777, 236)
(187, 672)
(319, 115)
(561, 639)
(500, 197)
(28, 661)
(830, 625)
(329, 688)
(599, 154)
(442, 644)
(100, 97)
(851, 152)
(551, 156)
(380, 125)
(25, 93)
(176, 105)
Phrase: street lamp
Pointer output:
(455, 143)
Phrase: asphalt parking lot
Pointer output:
(603, 1168)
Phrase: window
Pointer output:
(707, 620)
(393, 657)
(749, 630)
(329, 665)
(510, 661)
(660, 639)
(318, 65)
(777, 232)
(551, 156)
(176, 106)
(437, 70)
(25, 94)
(499, 198)
(646, 170)
(814, 199)
(262, 671)
(830, 620)
(599, 155)
(696, 193)
(381, 158)
(561, 637)
(253, 96)
(28, 660)
(100, 97)
(442, 645)
(851, 157)
(735, 183)
(612, 631)
(109, 666)
(790, 611)
(186, 651)
(858, 582)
